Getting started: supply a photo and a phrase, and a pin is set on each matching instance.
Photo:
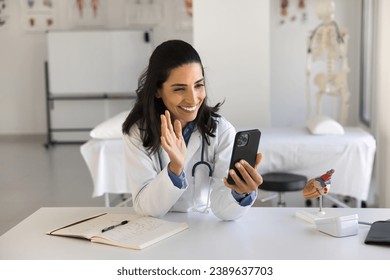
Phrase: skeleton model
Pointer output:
(327, 42)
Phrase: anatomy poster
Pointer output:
(143, 12)
(38, 15)
(3, 12)
(86, 13)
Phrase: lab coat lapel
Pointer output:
(193, 145)
(164, 157)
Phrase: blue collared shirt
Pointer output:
(180, 182)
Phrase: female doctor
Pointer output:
(177, 148)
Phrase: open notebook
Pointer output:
(123, 230)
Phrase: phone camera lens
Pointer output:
(242, 139)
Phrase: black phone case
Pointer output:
(379, 233)
(247, 152)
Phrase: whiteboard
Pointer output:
(96, 62)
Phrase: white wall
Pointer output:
(22, 57)
(231, 37)
(22, 54)
(382, 101)
(235, 41)
(22, 101)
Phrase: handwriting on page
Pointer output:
(134, 228)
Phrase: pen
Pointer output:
(114, 226)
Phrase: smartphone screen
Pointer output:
(245, 147)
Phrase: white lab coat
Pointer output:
(153, 191)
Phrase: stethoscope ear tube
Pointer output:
(202, 161)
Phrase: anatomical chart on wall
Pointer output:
(38, 15)
(143, 12)
(3, 13)
(84, 13)
(292, 11)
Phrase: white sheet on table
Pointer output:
(106, 164)
(296, 150)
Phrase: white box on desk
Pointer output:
(340, 226)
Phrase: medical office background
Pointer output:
(262, 52)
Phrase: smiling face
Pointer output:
(183, 92)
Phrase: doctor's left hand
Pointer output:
(173, 143)
(251, 177)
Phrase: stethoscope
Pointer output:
(205, 209)
(202, 161)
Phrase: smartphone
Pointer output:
(245, 147)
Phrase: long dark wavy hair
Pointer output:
(147, 108)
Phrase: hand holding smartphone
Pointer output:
(245, 147)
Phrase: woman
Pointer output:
(170, 129)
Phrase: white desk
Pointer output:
(284, 149)
(264, 233)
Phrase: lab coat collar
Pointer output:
(193, 145)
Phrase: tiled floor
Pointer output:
(32, 176)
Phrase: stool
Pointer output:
(282, 182)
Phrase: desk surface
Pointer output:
(264, 233)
